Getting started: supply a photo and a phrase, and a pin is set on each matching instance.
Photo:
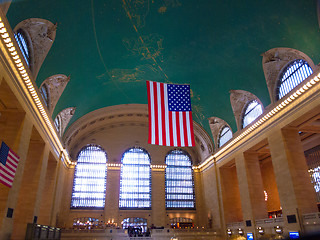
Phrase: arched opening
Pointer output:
(179, 181)
(90, 176)
(135, 180)
(253, 110)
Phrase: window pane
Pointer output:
(254, 110)
(135, 181)
(57, 123)
(89, 187)
(179, 181)
(44, 94)
(22, 42)
(140, 223)
(225, 136)
(293, 75)
(313, 161)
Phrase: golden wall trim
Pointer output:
(295, 100)
(24, 84)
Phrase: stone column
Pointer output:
(45, 205)
(212, 197)
(230, 195)
(202, 218)
(296, 193)
(16, 132)
(251, 189)
(60, 195)
(111, 210)
(24, 212)
(158, 197)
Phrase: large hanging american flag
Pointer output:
(170, 116)
(8, 165)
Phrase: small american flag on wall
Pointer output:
(8, 165)
(170, 116)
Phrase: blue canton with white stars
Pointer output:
(179, 97)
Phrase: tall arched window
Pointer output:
(293, 75)
(23, 45)
(135, 184)
(224, 136)
(179, 181)
(253, 110)
(57, 123)
(45, 94)
(89, 184)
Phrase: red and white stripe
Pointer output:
(167, 128)
(8, 171)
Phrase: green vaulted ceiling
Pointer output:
(111, 47)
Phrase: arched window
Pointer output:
(179, 181)
(225, 136)
(45, 94)
(89, 184)
(253, 110)
(23, 45)
(57, 123)
(293, 75)
(135, 181)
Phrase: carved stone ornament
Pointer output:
(239, 99)
(274, 61)
(216, 124)
(65, 116)
(40, 35)
(55, 85)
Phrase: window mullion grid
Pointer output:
(177, 178)
(90, 181)
(133, 190)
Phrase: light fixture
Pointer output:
(278, 229)
(260, 230)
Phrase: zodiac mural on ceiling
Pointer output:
(139, 74)
(167, 4)
(148, 46)
(137, 10)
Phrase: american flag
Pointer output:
(8, 165)
(170, 116)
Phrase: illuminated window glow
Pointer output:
(265, 195)
(135, 181)
(296, 72)
(179, 181)
(23, 45)
(315, 178)
(135, 223)
(181, 222)
(253, 110)
(225, 136)
(313, 161)
(89, 186)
